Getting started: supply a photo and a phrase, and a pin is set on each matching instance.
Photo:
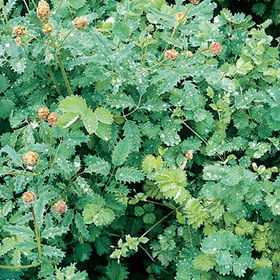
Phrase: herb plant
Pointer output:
(137, 132)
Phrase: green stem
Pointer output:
(145, 70)
(145, 54)
(20, 266)
(19, 174)
(65, 38)
(51, 143)
(55, 156)
(37, 234)
(58, 7)
(53, 79)
(6, 18)
(62, 67)
(64, 76)
(175, 31)
(157, 223)
(193, 131)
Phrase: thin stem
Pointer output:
(149, 255)
(157, 223)
(53, 79)
(145, 70)
(137, 108)
(55, 156)
(145, 54)
(37, 234)
(199, 52)
(51, 143)
(58, 7)
(20, 266)
(20, 174)
(62, 67)
(26, 6)
(65, 38)
(65, 76)
(175, 31)
(195, 133)
(6, 18)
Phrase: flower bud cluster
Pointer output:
(215, 48)
(171, 55)
(29, 197)
(19, 30)
(30, 159)
(81, 22)
(43, 11)
(60, 207)
(47, 28)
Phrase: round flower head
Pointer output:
(179, 16)
(195, 2)
(43, 113)
(171, 54)
(47, 28)
(81, 22)
(19, 31)
(29, 197)
(53, 119)
(60, 207)
(43, 11)
(30, 159)
(215, 48)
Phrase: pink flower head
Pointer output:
(29, 197)
(215, 48)
(60, 207)
(53, 119)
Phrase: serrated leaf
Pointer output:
(77, 4)
(100, 216)
(52, 232)
(4, 84)
(129, 174)
(6, 107)
(97, 165)
(8, 244)
(15, 157)
(80, 224)
(52, 252)
(121, 152)
(74, 104)
(103, 115)
(19, 230)
(90, 121)
(103, 131)
(67, 119)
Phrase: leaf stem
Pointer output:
(175, 31)
(51, 143)
(65, 38)
(61, 67)
(53, 79)
(20, 266)
(158, 222)
(19, 174)
(37, 234)
(58, 7)
(6, 18)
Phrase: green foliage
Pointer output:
(172, 164)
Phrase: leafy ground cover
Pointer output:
(138, 132)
